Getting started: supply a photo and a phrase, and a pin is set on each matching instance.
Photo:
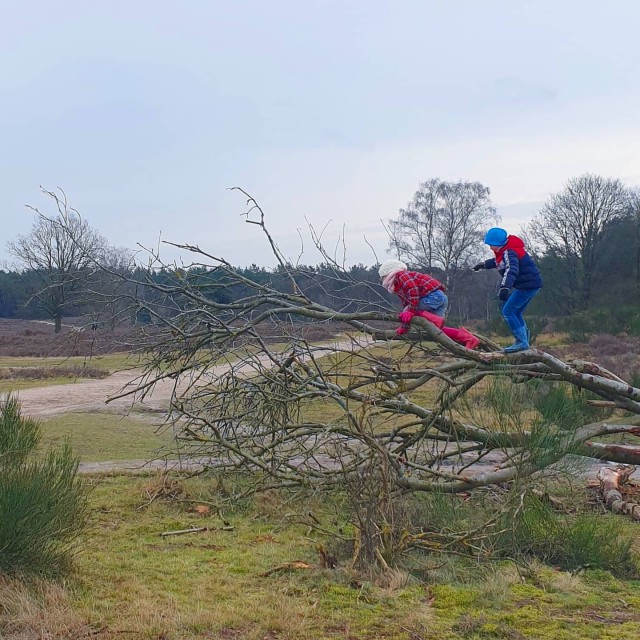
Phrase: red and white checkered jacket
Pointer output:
(412, 286)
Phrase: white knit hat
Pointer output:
(391, 266)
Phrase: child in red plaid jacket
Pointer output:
(418, 291)
(421, 295)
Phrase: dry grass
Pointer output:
(210, 584)
(44, 373)
(112, 362)
(620, 354)
(16, 378)
(18, 373)
(39, 610)
(552, 339)
(13, 386)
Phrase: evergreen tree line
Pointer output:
(585, 239)
(616, 283)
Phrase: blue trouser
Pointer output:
(435, 302)
(514, 306)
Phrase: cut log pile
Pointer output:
(612, 490)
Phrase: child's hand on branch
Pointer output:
(406, 316)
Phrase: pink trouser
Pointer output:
(462, 335)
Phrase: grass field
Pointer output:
(224, 584)
(11, 386)
(96, 437)
(132, 583)
(111, 362)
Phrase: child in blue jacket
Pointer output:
(520, 282)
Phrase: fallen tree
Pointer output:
(419, 413)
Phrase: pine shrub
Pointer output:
(569, 542)
(43, 504)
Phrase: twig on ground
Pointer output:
(183, 531)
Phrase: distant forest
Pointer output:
(614, 299)
(586, 241)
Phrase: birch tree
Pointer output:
(573, 227)
(443, 226)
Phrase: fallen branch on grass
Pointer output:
(295, 565)
(197, 530)
(372, 415)
(181, 532)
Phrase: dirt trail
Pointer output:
(92, 395)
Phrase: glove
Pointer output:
(400, 331)
(503, 294)
(478, 267)
(405, 316)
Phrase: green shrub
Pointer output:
(494, 524)
(42, 501)
(568, 542)
(565, 407)
(19, 436)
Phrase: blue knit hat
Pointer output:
(496, 237)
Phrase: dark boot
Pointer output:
(522, 341)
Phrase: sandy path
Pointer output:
(92, 395)
(88, 396)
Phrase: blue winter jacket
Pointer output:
(517, 268)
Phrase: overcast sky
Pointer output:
(146, 112)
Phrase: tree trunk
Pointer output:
(621, 453)
(58, 323)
